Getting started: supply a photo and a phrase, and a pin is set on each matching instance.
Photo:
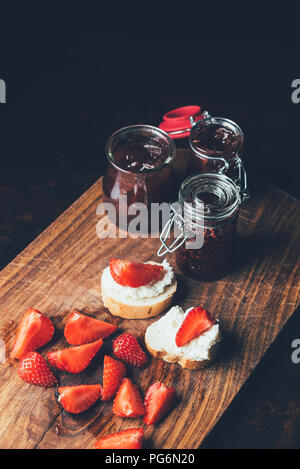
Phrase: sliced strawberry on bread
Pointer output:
(127, 348)
(126, 439)
(134, 274)
(128, 401)
(197, 321)
(74, 359)
(159, 400)
(77, 399)
(113, 373)
(34, 331)
(82, 329)
(34, 369)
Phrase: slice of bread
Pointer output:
(137, 308)
(199, 353)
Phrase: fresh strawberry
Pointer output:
(128, 401)
(34, 330)
(77, 399)
(34, 369)
(127, 439)
(81, 329)
(134, 274)
(197, 321)
(127, 348)
(113, 373)
(74, 359)
(158, 401)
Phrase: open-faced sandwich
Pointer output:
(189, 338)
(136, 290)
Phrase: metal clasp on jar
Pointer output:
(175, 217)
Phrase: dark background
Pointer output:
(75, 75)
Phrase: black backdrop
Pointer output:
(75, 75)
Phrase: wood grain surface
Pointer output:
(61, 271)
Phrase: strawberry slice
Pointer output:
(81, 329)
(134, 274)
(158, 401)
(127, 348)
(127, 439)
(74, 359)
(113, 373)
(34, 369)
(77, 399)
(197, 321)
(34, 331)
(128, 401)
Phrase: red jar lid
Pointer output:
(178, 122)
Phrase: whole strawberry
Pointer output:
(34, 369)
(127, 348)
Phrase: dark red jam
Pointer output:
(140, 158)
(216, 146)
(210, 205)
(216, 256)
(140, 167)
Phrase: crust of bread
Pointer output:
(182, 361)
(140, 309)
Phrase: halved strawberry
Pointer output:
(113, 373)
(128, 401)
(34, 369)
(134, 274)
(127, 439)
(34, 331)
(77, 399)
(81, 329)
(127, 348)
(158, 401)
(197, 321)
(74, 359)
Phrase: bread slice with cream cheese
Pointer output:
(198, 353)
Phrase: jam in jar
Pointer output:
(140, 167)
(217, 147)
(219, 199)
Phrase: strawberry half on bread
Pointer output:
(189, 338)
(137, 290)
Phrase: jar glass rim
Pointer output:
(223, 188)
(216, 120)
(136, 128)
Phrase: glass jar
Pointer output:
(217, 147)
(140, 167)
(208, 211)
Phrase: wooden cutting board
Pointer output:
(61, 271)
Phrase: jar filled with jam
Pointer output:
(217, 147)
(140, 168)
(206, 214)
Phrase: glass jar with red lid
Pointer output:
(206, 144)
(206, 216)
(140, 167)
